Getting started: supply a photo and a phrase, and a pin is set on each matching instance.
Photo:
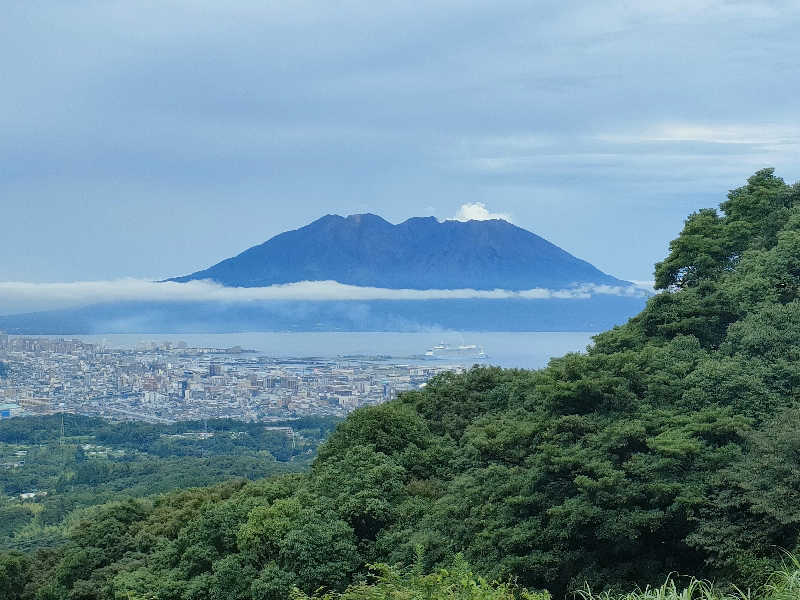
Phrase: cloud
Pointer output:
(765, 135)
(23, 297)
(477, 211)
(648, 286)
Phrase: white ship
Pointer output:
(442, 350)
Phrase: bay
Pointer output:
(528, 350)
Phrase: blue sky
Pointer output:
(151, 139)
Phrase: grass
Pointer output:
(783, 584)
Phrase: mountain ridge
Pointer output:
(419, 253)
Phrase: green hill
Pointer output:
(673, 445)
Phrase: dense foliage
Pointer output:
(673, 444)
(97, 461)
(459, 583)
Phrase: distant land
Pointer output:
(421, 253)
(367, 251)
(556, 314)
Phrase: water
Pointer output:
(530, 350)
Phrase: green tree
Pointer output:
(13, 575)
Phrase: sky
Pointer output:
(154, 138)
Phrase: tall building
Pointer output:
(3, 341)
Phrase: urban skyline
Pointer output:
(167, 382)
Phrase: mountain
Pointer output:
(366, 250)
(420, 253)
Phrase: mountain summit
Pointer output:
(420, 253)
(366, 250)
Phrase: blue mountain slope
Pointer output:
(420, 253)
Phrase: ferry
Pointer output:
(464, 350)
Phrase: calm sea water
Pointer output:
(524, 350)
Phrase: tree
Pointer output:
(13, 577)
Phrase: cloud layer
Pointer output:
(21, 297)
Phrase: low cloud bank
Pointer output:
(22, 297)
(648, 286)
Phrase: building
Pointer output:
(36, 405)
(31, 495)
(153, 399)
(9, 409)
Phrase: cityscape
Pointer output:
(164, 382)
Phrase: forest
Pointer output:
(53, 468)
(670, 448)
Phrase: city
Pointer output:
(166, 382)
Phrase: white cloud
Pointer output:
(19, 297)
(750, 134)
(477, 211)
(648, 286)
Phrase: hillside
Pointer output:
(97, 461)
(420, 253)
(671, 446)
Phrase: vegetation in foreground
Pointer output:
(671, 446)
(459, 583)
